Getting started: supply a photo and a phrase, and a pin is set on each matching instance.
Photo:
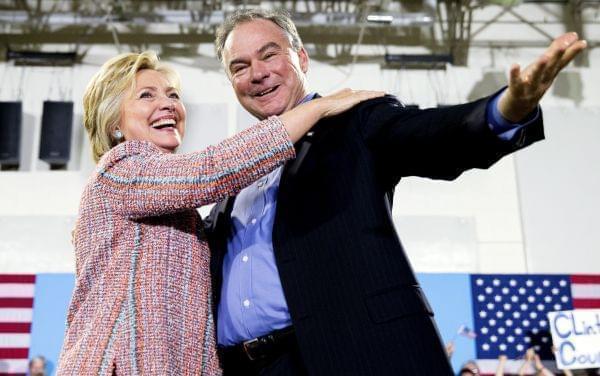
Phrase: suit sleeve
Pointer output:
(139, 180)
(438, 143)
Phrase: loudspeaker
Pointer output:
(10, 133)
(57, 126)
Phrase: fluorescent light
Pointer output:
(380, 18)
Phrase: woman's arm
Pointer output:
(301, 118)
(139, 180)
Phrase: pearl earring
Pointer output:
(118, 135)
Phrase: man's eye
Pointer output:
(238, 69)
(269, 55)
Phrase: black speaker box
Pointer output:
(57, 126)
(10, 132)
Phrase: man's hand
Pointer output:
(527, 87)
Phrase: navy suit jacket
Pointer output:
(353, 297)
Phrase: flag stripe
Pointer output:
(585, 291)
(15, 340)
(17, 278)
(511, 367)
(585, 279)
(15, 327)
(14, 353)
(13, 367)
(16, 290)
(16, 302)
(586, 303)
(16, 314)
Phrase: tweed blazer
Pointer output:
(142, 299)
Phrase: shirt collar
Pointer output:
(308, 98)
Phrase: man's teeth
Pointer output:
(163, 123)
(266, 91)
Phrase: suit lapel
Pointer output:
(302, 148)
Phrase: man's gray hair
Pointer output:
(280, 18)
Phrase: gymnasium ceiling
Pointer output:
(330, 29)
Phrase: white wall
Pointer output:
(487, 221)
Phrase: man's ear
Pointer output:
(303, 59)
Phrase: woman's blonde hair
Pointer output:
(105, 93)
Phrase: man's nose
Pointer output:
(259, 72)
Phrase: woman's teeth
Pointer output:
(163, 123)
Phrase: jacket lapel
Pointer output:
(302, 148)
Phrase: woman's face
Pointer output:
(153, 112)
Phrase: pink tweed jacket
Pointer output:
(142, 299)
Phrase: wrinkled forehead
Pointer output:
(250, 36)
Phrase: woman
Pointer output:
(141, 303)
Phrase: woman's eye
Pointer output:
(146, 94)
(174, 95)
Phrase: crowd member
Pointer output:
(37, 366)
(469, 368)
(532, 364)
(142, 299)
(309, 273)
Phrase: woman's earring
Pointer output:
(118, 135)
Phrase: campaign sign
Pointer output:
(576, 337)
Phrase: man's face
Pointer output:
(267, 75)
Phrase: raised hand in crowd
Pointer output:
(540, 369)
(450, 349)
(501, 364)
(532, 360)
(527, 362)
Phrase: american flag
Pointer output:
(16, 311)
(510, 312)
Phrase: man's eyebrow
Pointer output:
(268, 46)
(259, 51)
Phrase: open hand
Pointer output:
(526, 87)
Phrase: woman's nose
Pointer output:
(168, 103)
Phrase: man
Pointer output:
(309, 275)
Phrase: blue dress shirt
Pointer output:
(252, 302)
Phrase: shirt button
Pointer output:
(245, 258)
(260, 184)
(253, 221)
(246, 303)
